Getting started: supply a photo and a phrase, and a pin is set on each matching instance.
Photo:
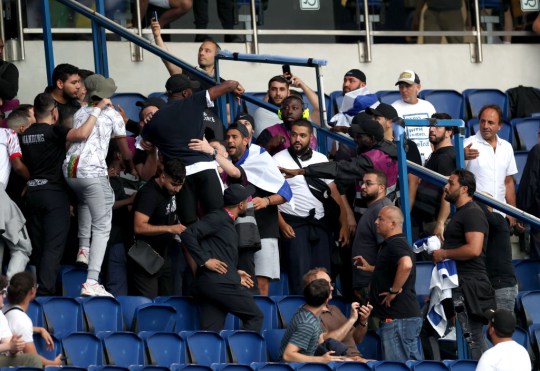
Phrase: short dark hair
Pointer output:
(304, 123)
(43, 104)
(19, 286)
(466, 179)
(278, 78)
(443, 116)
(317, 292)
(63, 71)
(493, 107)
(381, 177)
(19, 117)
(175, 169)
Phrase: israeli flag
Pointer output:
(443, 279)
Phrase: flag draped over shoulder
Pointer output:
(443, 279)
(353, 103)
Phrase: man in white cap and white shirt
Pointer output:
(411, 107)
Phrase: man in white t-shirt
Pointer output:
(506, 354)
(491, 158)
(411, 107)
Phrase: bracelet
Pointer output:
(393, 292)
(362, 324)
(96, 111)
(267, 200)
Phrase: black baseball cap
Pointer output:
(368, 127)
(151, 102)
(357, 74)
(502, 320)
(240, 127)
(237, 193)
(384, 110)
(179, 82)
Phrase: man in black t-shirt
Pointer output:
(392, 291)
(65, 89)
(156, 223)
(465, 242)
(43, 145)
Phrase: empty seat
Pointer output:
(35, 312)
(389, 366)
(527, 132)
(273, 343)
(129, 304)
(187, 315)
(427, 366)
(287, 307)
(310, 366)
(271, 366)
(245, 347)
(279, 287)
(530, 302)
(82, 349)
(189, 367)
(107, 368)
(230, 367)
(128, 102)
(62, 316)
(528, 275)
(123, 349)
(72, 280)
(388, 96)
(204, 347)
(42, 347)
(461, 365)
(521, 160)
(447, 101)
(270, 312)
(475, 99)
(370, 347)
(147, 367)
(62, 368)
(102, 313)
(351, 366)
(165, 348)
(154, 317)
(423, 279)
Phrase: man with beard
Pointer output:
(220, 288)
(431, 210)
(65, 89)
(276, 138)
(465, 240)
(307, 237)
(366, 240)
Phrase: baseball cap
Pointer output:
(357, 74)
(503, 321)
(241, 128)
(245, 116)
(409, 77)
(179, 82)
(155, 102)
(383, 109)
(369, 127)
(237, 193)
(99, 86)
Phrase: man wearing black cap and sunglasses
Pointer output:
(219, 286)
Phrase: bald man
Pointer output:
(392, 292)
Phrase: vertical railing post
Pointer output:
(100, 43)
(47, 40)
(255, 42)
(404, 187)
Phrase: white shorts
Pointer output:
(161, 3)
(267, 259)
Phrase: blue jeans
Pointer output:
(400, 339)
(506, 298)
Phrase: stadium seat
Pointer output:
(351, 366)
(343, 304)
(154, 317)
(147, 368)
(426, 366)
(159, 94)
(107, 368)
(310, 366)
(388, 96)
(72, 280)
(41, 346)
(62, 315)
(35, 312)
(527, 132)
(61, 368)
(102, 313)
(460, 365)
(475, 99)
(244, 347)
(336, 97)
(187, 315)
(287, 307)
(189, 367)
(123, 349)
(389, 366)
(230, 367)
(423, 279)
(447, 101)
(370, 347)
(506, 132)
(82, 349)
(165, 348)
(530, 302)
(204, 347)
(129, 304)
(521, 160)
(128, 101)
(528, 275)
(279, 287)
(273, 343)
(231, 322)
(270, 366)
(270, 312)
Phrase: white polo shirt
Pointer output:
(491, 167)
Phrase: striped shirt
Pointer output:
(304, 331)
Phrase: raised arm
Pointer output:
(311, 96)
(83, 132)
(156, 31)
(225, 87)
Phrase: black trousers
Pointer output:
(203, 187)
(150, 285)
(48, 227)
(217, 299)
(225, 13)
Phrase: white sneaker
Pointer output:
(451, 334)
(83, 256)
(94, 290)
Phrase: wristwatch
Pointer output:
(393, 292)
(214, 154)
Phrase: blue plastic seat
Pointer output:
(154, 317)
(273, 343)
(388, 96)
(204, 347)
(423, 279)
(82, 349)
(187, 315)
(62, 315)
(123, 349)
(107, 368)
(41, 346)
(426, 366)
(343, 304)
(310, 366)
(527, 131)
(505, 133)
(189, 367)
(61, 368)
(128, 102)
(336, 98)
(129, 304)
(147, 368)
(370, 347)
(351, 366)
(270, 312)
(270, 366)
(231, 322)
(35, 312)
(461, 365)
(230, 367)
(279, 287)
(165, 348)
(528, 275)
(521, 160)
(447, 101)
(102, 313)
(245, 347)
(530, 302)
(389, 366)
(159, 94)
(287, 307)
(475, 99)
(72, 280)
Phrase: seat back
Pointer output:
(189, 367)
(128, 102)
(388, 96)
(370, 347)
(230, 367)
(270, 312)
(310, 366)
(475, 99)
(506, 132)
(82, 349)
(124, 349)
(187, 315)
(423, 279)
(245, 347)
(521, 160)
(527, 132)
(204, 347)
(42, 346)
(528, 275)
(287, 307)
(530, 303)
(102, 313)
(447, 101)
(62, 316)
(129, 304)
(165, 348)
(427, 366)
(72, 280)
(389, 366)
(154, 317)
(273, 343)
(35, 312)
(343, 304)
(351, 366)
(461, 365)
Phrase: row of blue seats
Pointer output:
(447, 365)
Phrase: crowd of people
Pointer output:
(179, 204)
